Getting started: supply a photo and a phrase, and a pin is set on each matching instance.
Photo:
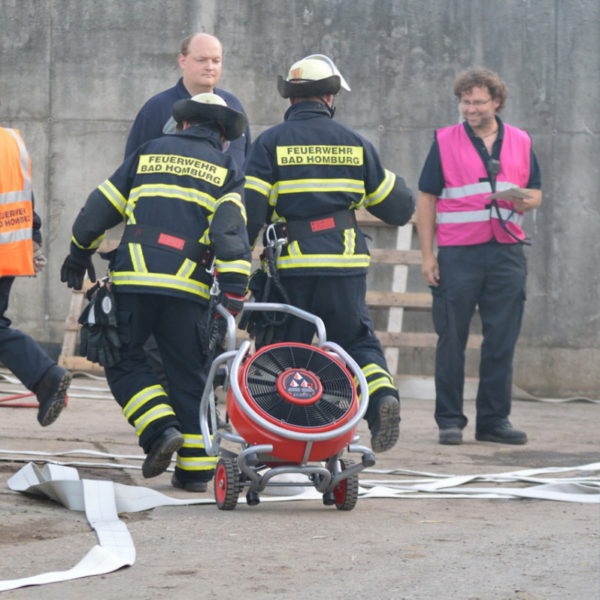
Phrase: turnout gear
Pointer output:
(74, 269)
(210, 107)
(306, 177)
(314, 75)
(181, 200)
(100, 342)
(16, 206)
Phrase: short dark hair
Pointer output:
(185, 44)
(481, 77)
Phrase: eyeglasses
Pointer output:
(476, 103)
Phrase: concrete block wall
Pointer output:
(73, 74)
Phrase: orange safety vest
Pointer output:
(16, 206)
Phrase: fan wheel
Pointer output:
(345, 492)
(227, 484)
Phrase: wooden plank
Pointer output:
(409, 339)
(408, 300)
(68, 352)
(79, 363)
(393, 256)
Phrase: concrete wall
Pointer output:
(73, 74)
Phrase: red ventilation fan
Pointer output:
(298, 389)
(294, 409)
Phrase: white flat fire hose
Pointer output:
(103, 500)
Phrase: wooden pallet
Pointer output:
(69, 355)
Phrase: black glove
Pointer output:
(74, 269)
(100, 341)
(232, 302)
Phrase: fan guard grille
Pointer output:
(264, 368)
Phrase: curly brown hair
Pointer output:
(481, 77)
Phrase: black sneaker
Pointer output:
(51, 391)
(451, 436)
(384, 423)
(189, 486)
(502, 434)
(158, 458)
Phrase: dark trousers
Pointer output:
(175, 324)
(340, 303)
(18, 352)
(491, 277)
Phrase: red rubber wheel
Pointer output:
(227, 484)
(345, 492)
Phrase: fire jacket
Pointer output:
(465, 215)
(180, 198)
(311, 173)
(16, 206)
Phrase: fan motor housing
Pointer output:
(298, 388)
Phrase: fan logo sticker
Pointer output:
(299, 385)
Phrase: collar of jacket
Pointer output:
(205, 133)
(306, 109)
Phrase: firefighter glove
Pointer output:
(74, 268)
(100, 341)
(232, 302)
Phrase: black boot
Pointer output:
(159, 456)
(383, 417)
(51, 390)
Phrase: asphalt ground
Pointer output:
(386, 548)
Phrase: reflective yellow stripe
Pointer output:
(349, 241)
(383, 382)
(382, 378)
(136, 254)
(372, 368)
(323, 260)
(187, 268)
(114, 196)
(299, 186)
(197, 463)
(160, 280)
(237, 200)
(143, 396)
(258, 185)
(383, 191)
(155, 413)
(191, 440)
(93, 246)
(172, 191)
(233, 266)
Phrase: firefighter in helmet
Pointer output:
(180, 197)
(308, 175)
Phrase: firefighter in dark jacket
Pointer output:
(180, 197)
(309, 174)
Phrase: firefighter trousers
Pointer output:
(175, 323)
(340, 301)
(490, 277)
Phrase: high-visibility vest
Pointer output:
(464, 215)
(16, 206)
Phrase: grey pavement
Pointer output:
(418, 548)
